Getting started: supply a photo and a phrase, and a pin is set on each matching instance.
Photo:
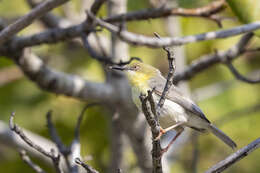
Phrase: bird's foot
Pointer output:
(162, 131)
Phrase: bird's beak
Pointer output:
(117, 67)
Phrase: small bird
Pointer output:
(178, 110)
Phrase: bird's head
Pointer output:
(138, 72)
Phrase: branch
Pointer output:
(209, 60)
(239, 76)
(233, 158)
(55, 158)
(155, 128)
(137, 39)
(172, 67)
(88, 168)
(61, 83)
(61, 34)
(29, 162)
(207, 12)
(50, 20)
(80, 118)
(27, 19)
(55, 137)
(19, 132)
(52, 35)
(103, 58)
(10, 139)
(75, 145)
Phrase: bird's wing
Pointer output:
(176, 96)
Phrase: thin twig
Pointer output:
(233, 158)
(27, 19)
(55, 137)
(103, 58)
(29, 162)
(80, 118)
(20, 132)
(172, 67)
(88, 168)
(239, 76)
(55, 157)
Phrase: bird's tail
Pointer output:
(221, 135)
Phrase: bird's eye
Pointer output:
(135, 67)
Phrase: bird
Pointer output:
(178, 111)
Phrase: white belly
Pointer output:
(171, 113)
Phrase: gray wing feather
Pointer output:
(176, 96)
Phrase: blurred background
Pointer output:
(233, 105)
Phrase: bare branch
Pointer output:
(210, 60)
(239, 76)
(60, 34)
(172, 67)
(102, 58)
(88, 168)
(49, 19)
(61, 83)
(55, 158)
(55, 137)
(27, 19)
(53, 35)
(29, 162)
(19, 132)
(80, 118)
(142, 40)
(235, 157)
(155, 128)
(205, 12)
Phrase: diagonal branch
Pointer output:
(207, 61)
(235, 157)
(137, 39)
(27, 19)
(49, 19)
(88, 168)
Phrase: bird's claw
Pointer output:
(162, 131)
